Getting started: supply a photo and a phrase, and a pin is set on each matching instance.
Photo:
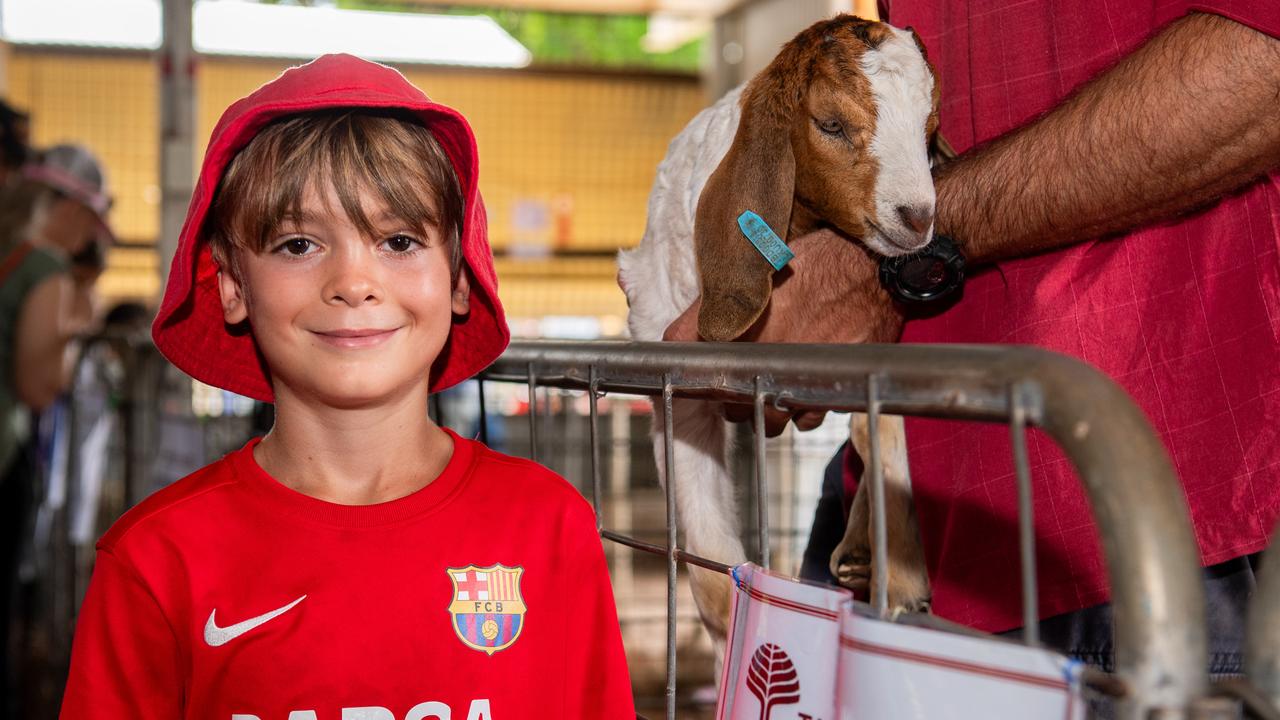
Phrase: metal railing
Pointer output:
(122, 377)
(1137, 502)
(1150, 552)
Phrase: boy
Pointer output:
(359, 562)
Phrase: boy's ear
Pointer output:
(234, 309)
(461, 300)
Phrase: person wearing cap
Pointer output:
(358, 561)
(50, 212)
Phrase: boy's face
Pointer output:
(343, 319)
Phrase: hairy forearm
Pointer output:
(1186, 118)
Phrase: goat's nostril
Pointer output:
(916, 217)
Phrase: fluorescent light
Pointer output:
(286, 31)
(133, 24)
(239, 28)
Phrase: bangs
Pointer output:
(380, 158)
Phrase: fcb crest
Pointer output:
(487, 607)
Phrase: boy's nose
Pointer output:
(351, 285)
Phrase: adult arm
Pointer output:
(1186, 118)
(50, 317)
(1183, 120)
(829, 272)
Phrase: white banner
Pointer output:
(798, 651)
(897, 671)
(782, 649)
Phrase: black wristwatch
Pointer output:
(935, 273)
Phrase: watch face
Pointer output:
(932, 274)
(923, 276)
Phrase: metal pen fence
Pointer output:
(1150, 552)
(130, 424)
(1136, 499)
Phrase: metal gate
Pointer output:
(130, 424)
(1136, 499)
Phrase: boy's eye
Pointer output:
(297, 246)
(401, 243)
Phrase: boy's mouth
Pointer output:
(355, 337)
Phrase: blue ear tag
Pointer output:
(765, 239)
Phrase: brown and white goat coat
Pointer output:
(835, 134)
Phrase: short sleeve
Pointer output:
(125, 661)
(1261, 15)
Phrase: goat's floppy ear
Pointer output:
(940, 151)
(757, 174)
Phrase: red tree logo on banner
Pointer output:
(772, 679)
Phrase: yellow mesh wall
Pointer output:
(582, 149)
(566, 159)
(108, 102)
(562, 286)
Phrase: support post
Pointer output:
(177, 75)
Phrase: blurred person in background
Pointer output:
(52, 232)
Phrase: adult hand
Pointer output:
(828, 293)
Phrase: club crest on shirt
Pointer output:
(487, 607)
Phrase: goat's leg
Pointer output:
(851, 563)
(705, 506)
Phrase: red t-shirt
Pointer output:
(1186, 316)
(229, 596)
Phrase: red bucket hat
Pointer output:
(189, 329)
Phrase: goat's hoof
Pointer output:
(914, 605)
(917, 606)
(909, 593)
(852, 570)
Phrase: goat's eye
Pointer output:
(831, 127)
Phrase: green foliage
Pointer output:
(564, 39)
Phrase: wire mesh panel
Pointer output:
(583, 409)
(610, 460)
(1136, 498)
(129, 425)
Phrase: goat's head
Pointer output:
(836, 131)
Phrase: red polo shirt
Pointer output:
(1185, 316)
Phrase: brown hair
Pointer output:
(387, 153)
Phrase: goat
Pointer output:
(834, 133)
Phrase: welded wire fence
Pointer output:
(130, 424)
(1156, 588)
(582, 410)
(632, 504)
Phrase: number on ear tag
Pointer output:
(765, 239)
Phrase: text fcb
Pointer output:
(487, 607)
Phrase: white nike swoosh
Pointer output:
(215, 636)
